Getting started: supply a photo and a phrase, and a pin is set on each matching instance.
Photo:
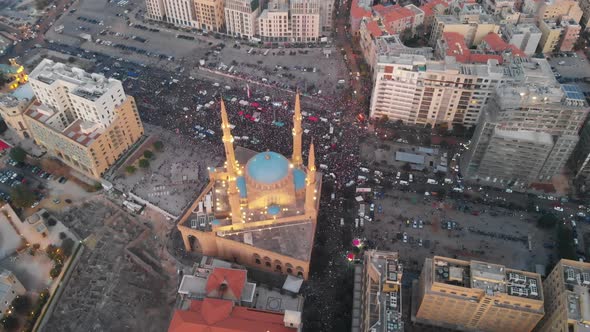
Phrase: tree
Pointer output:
(565, 245)
(9, 322)
(547, 220)
(18, 154)
(71, 59)
(67, 246)
(55, 271)
(130, 169)
(147, 154)
(405, 35)
(144, 163)
(158, 145)
(22, 197)
(21, 304)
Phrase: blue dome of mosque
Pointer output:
(268, 167)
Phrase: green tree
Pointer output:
(147, 154)
(21, 304)
(547, 220)
(565, 245)
(18, 154)
(144, 163)
(405, 35)
(130, 169)
(22, 197)
(158, 145)
(67, 247)
(55, 271)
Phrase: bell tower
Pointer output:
(310, 187)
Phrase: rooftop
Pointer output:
(526, 136)
(85, 85)
(493, 279)
(217, 282)
(386, 297)
(576, 276)
(215, 315)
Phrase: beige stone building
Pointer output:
(305, 20)
(566, 298)
(553, 9)
(550, 36)
(155, 10)
(378, 293)
(241, 17)
(180, 13)
(477, 296)
(472, 28)
(274, 24)
(10, 287)
(259, 209)
(85, 120)
(209, 14)
(12, 107)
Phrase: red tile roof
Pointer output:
(429, 7)
(456, 47)
(214, 315)
(374, 29)
(357, 11)
(233, 279)
(497, 44)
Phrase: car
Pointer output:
(558, 208)
(56, 200)
(62, 179)
(405, 237)
(35, 204)
(415, 224)
(420, 224)
(420, 242)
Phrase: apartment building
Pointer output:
(210, 14)
(477, 296)
(553, 9)
(395, 19)
(84, 119)
(273, 23)
(416, 90)
(472, 30)
(379, 297)
(567, 298)
(524, 36)
(305, 20)
(580, 160)
(550, 36)
(155, 10)
(241, 17)
(570, 35)
(529, 130)
(180, 13)
(326, 16)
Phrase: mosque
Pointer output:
(260, 209)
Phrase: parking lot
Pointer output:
(570, 65)
(126, 36)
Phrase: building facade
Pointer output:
(241, 17)
(13, 106)
(155, 10)
(210, 14)
(305, 20)
(524, 36)
(550, 36)
(580, 159)
(83, 119)
(473, 31)
(570, 35)
(477, 296)
(180, 13)
(529, 130)
(274, 24)
(566, 297)
(260, 210)
(415, 90)
(10, 287)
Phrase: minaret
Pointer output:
(297, 133)
(310, 191)
(231, 167)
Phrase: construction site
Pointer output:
(124, 273)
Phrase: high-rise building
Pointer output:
(570, 35)
(477, 296)
(259, 209)
(180, 13)
(529, 130)
(84, 119)
(408, 88)
(210, 14)
(274, 24)
(580, 159)
(550, 35)
(155, 10)
(326, 15)
(524, 36)
(10, 287)
(567, 298)
(241, 17)
(378, 296)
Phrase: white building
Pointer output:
(524, 36)
(10, 287)
(241, 17)
(416, 90)
(305, 20)
(180, 13)
(155, 10)
(326, 15)
(76, 93)
(273, 23)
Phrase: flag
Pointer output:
(248, 90)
